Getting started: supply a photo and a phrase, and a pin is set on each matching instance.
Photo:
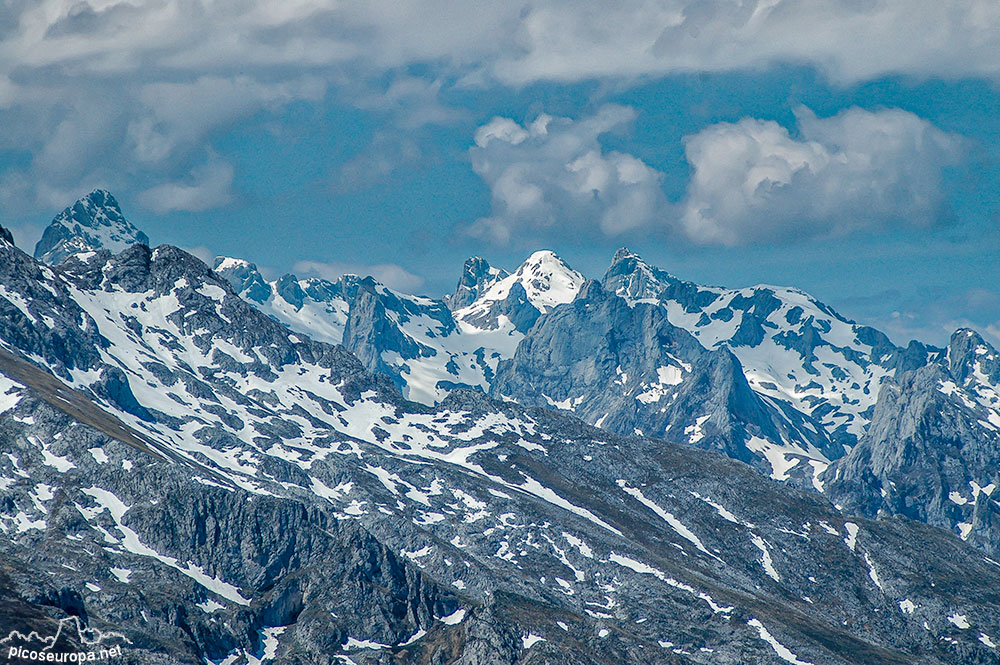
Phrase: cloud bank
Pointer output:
(752, 181)
(513, 42)
(207, 186)
(116, 92)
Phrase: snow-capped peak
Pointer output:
(92, 223)
(227, 263)
(244, 277)
(622, 254)
(971, 358)
(542, 282)
(546, 279)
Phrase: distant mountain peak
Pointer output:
(548, 280)
(244, 277)
(543, 256)
(631, 277)
(542, 282)
(92, 223)
(477, 276)
(100, 198)
(622, 254)
(972, 357)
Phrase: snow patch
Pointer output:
(765, 561)
(674, 523)
(851, 540)
(784, 653)
(454, 618)
(530, 640)
(959, 620)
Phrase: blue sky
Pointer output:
(850, 148)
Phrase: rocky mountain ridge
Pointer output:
(306, 512)
(209, 382)
(793, 386)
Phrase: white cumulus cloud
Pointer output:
(754, 181)
(751, 181)
(553, 176)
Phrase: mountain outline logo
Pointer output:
(20, 644)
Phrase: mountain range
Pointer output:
(536, 468)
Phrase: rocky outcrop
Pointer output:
(477, 276)
(794, 349)
(930, 453)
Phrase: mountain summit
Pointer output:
(542, 282)
(92, 223)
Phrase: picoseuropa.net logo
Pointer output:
(59, 648)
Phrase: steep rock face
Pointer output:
(375, 328)
(931, 450)
(582, 349)
(39, 316)
(417, 342)
(973, 362)
(793, 348)
(628, 369)
(94, 222)
(477, 276)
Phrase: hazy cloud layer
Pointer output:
(112, 92)
(931, 317)
(515, 42)
(173, 116)
(207, 186)
(849, 40)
